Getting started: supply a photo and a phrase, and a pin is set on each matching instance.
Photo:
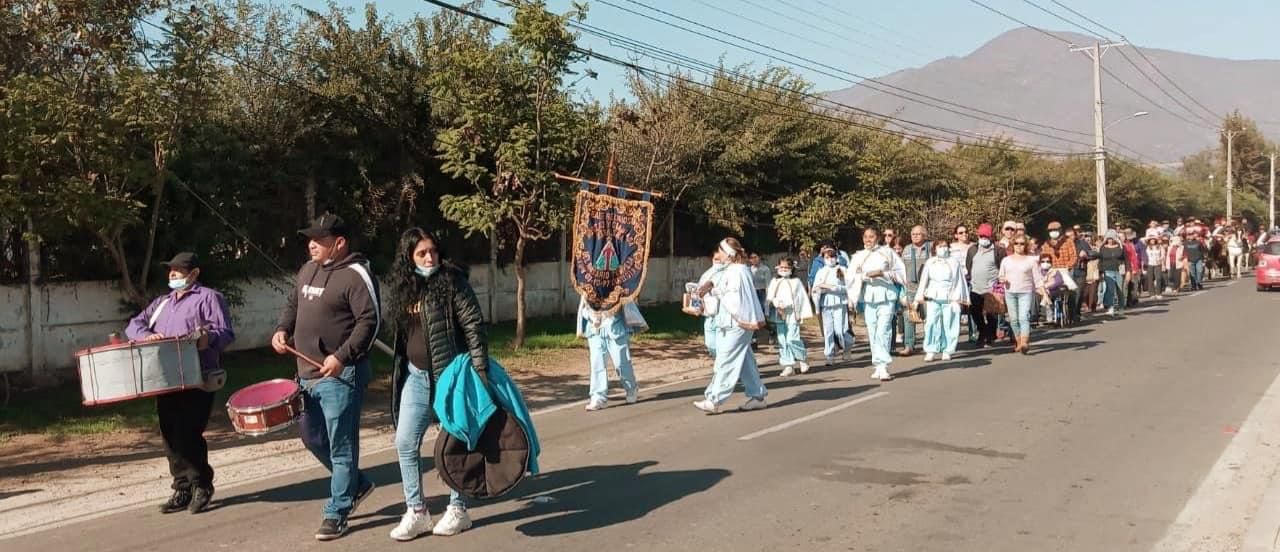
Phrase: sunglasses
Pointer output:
(1010, 229)
(958, 232)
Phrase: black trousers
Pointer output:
(986, 323)
(183, 419)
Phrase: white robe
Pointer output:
(942, 280)
(788, 295)
(736, 293)
(880, 289)
(710, 304)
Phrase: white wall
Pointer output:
(73, 316)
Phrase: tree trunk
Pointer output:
(310, 195)
(671, 251)
(127, 285)
(520, 275)
(157, 188)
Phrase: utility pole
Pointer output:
(1231, 135)
(1272, 196)
(1095, 53)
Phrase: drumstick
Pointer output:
(305, 358)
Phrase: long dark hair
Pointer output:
(406, 287)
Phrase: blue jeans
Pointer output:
(330, 429)
(619, 350)
(790, 345)
(415, 417)
(879, 317)
(835, 329)
(1113, 294)
(1197, 274)
(941, 327)
(1020, 311)
(734, 361)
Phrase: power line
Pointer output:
(864, 82)
(1140, 53)
(828, 32)
(834, 22)
(1024, 23)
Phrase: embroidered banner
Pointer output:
(611, 238)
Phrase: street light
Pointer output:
(1122, 119)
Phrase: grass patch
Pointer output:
(57, 410)
(666, 322)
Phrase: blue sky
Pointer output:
(872, 38)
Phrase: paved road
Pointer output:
(1094, 442)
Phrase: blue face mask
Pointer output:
(177, 284)
(426, 272)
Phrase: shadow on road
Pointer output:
(587, 498)
(772, 384)
(938, 366)
(827, 394)
(19, 492)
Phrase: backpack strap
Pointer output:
(151, 324)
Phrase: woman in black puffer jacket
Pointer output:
(436, 317)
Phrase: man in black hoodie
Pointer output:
(332, 317)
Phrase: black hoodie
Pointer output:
(333, 310)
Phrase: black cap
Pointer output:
(326, 225)
(185, 261)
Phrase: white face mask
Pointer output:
(943, 251)
(784, 273)
(1046, 266)
(1054, 234)
(829, 261)
(984, 242)
(719, 265)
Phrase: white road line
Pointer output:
(813, 416)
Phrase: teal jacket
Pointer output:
(463, 404)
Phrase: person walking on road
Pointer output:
(1112, 262)
(608, 338)
(436, 316)
(982, 265)
(788, 307)
(710, 305)
(739, 315)
(189, 310)
(914, 256)
(942, 291)
(1022, 277)
(1196, 252)
(874, 281)
(333, 314)
(760, 276)
(832, 300)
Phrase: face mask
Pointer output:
(426, 271)
(984, 242)
(179, 283)
(944, 252)
(784, 273)
(719, 265)
(1046, 266)
(829, 261)
(1054, 234)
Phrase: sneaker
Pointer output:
(928, 357)
(412, 524)
(844, 357)
(946, 357)
(882, 373)
(706, 406)
(331, 529)
(753, 404)
(804, 368)
(787, 371)
(200, 499)
(829, 361)
(455, 520)
(597, 404)
(1111, 311)
(180, 500)
(875, 374)
(633, 396)
(360, 496)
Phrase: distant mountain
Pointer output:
(1027, 75)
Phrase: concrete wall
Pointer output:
(72, 316)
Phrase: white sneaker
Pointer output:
(706, 406)
(455, 520)
(633, 396)
(828, 361)
(597, 404)
(412, 525)
(804, 368)
(882, 373)
(753, 404)
(1111, 311)
(875, 374)
(946, 357)
(787, 371)
(928, 357)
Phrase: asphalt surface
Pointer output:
(1093, 442)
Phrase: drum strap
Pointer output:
(151, 324)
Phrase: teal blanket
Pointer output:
(463, 404)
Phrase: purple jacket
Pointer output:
(199, 306)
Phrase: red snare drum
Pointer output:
(265, 407)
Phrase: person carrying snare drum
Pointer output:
(190, 309)
(333, 314)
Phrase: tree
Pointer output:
(509, 125)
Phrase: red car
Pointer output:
(1267, 273)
